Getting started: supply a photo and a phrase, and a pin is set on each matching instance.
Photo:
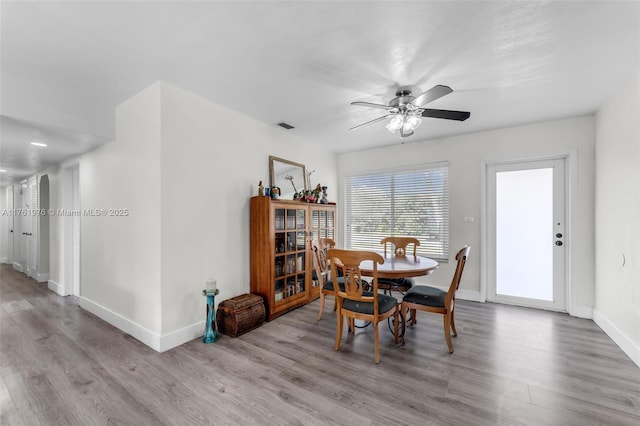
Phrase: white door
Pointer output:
(10, 220)
(526, 233)
(31, 227)
(75, 190)
(25, 226)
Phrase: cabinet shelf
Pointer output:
(281, 261)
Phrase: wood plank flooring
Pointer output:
(60, 365)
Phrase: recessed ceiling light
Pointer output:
(3, 171)
(38, 144)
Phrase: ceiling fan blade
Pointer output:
(372, 121)
(369, 104)
(446, 114)
(431, 95)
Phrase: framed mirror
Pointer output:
(287, 175)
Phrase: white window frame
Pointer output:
(433, 234)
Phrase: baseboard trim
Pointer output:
(17, 266)
(625, 343)
(181, 336)
(42, 278)
(4, 260)
(155, 341)
(137, 331)
(472, 295)
(56, 288)
(585, 312)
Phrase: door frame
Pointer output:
(570, 189)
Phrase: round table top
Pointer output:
(400, 266)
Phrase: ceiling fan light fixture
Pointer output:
(396, 123)
(406, 111)
(413, 121)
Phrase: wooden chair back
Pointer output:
(461, 258)
(400, 244)
(320, 261)
(346, 263)
(360, 300)
(327, 242)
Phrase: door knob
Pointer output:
(558, 243)
(558, 235)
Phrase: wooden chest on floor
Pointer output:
(240, 314)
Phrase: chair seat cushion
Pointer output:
(385, 304)
(401, 283)
(426, 295)
(329, 284)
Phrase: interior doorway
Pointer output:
(526, 238)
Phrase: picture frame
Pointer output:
(288, 176)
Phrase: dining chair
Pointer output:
(360, 300)
(322, 271)
(399, 245)
(431, 299)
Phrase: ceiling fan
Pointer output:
(406, 111)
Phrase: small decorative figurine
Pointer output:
(275, 192)
(260, 189)
(324, 200)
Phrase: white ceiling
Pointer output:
(68, 64)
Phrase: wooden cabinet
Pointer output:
(280, 254)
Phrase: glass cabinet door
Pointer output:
(322, 224)
(290, 252)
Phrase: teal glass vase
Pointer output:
(210, 329)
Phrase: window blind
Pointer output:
(409, 202)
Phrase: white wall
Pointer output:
(465, 155)
(185, 168)
(212, 161)
(120, 256)
(617, 301)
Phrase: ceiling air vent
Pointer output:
(285, 125)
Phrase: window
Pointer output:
(409, 202)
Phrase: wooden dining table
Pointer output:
(400, 266)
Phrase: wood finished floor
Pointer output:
(513, 366)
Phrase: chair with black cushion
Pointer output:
(321, 270)
(399, 246)
(431, 299)
(360, 300)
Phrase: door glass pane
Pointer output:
(524, 233)
(279, 218)
(300, 241)
(291, 219)
(279, 242)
